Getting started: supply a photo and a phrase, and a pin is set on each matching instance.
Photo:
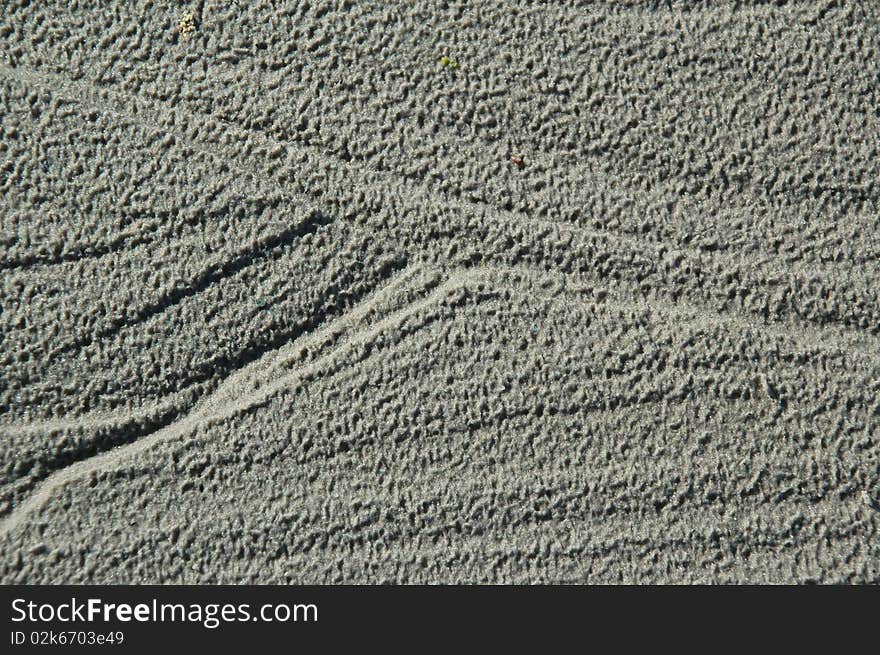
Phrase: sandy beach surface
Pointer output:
(498, 291)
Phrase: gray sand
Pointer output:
(277, 305)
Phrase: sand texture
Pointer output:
(498, 291)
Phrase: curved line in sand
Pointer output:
(87, 94)
(224, 403)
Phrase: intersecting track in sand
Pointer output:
(256, 383)
(666, 319)
(227, 400)
(153, 112)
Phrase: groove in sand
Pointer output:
(237, 395)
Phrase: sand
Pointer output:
(361, 292)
